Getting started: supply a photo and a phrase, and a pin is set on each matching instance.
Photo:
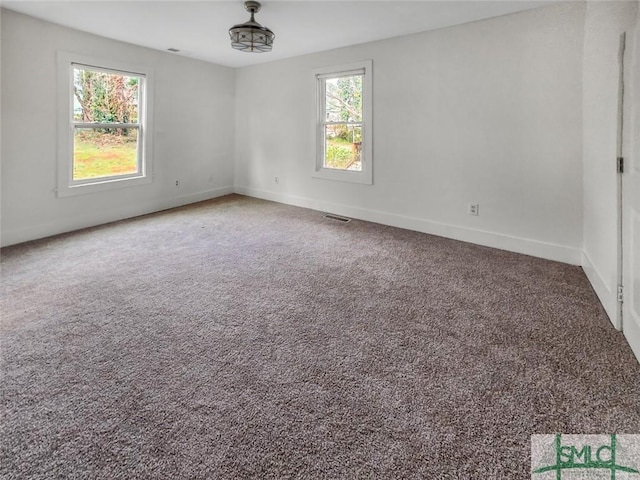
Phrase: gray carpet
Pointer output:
(239, 338)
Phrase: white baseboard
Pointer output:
(202, 196)
(604, 292)
(55, 227)
(632, 334)
(526, 246)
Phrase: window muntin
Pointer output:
(106, 124)
(343, 125)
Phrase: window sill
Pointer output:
(101, 186)
(363, 177)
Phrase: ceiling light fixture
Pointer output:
(251, 36)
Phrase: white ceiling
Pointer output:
(199, 28)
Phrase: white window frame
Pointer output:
(365, 176)
(66, 185)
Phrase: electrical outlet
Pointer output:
(276, 179)
(474, 209)
(177, 183)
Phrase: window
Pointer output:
(104, 126)
(343, 123)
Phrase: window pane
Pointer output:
(104, 152)
(343, 99)
(343, 147)
(104, 97)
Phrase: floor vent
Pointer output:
(337, 217)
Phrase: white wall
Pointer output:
(604, 22)
(193, 137)
(488, 112)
